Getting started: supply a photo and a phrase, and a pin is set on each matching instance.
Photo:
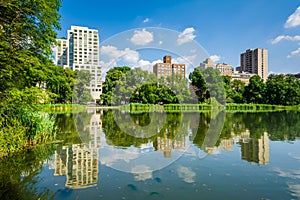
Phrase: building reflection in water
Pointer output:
(166, 145)
(255, 150)
(79, 162)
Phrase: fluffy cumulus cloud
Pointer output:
(127, 56)
(215, 58)
(186, 36)
(293, 53)
(114, 54)
(293, 20)
(285, 37)
(141, 37)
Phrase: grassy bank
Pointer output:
(135, 107)
(25, 128)
(61, 108)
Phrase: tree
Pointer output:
(179, 86)
(255, 91)
(197, 79)
(112, 78)
(81, 92)
(60, 82)
(276, 89)
(282, 90)
(237, 88)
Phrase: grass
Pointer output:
(61, 108)
(23, 129)
(136, 107)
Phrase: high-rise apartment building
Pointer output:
(167, 68)
(255, 61)
(81, 51)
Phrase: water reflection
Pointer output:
(255, 150)
(93, 140)
(79, 162)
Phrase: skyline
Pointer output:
(223, 29)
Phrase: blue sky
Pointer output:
(223, 28)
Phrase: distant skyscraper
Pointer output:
(80, 51)
(167, 68)
(255, 61)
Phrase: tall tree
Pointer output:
(255, 91)
(112, 78)
(198, 80)
(27, 31)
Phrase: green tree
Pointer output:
(283, 90)
(198, 80)
(60, 82)
(112, 78)
(179, 86)
(255, 91)
(81, 93)
(237, 90)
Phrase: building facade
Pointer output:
(167, 68)
(61, 54)
(80, 51)
(255, 61)
(225, 69)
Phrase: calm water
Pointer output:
(110, 154)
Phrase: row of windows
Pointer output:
(89, 67)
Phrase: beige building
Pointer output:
(167, 68)
(225, 69)
(245, 77)
(255, 61)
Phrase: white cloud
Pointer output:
(160, 42)
(186, 36)
(141, 172)
(293, 53)
(186, 174)
(141, 37)
(146, 20)
(293, 20)
(184, 59)
(215, 58)
(285, 37)
(115, 57)
(114, 54)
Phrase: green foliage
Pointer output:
(198, 80)
(112, 78)
(153, 94)
(81, 94)
(60, 82)
(123, 85)
(27, 33)
(283, 90)
(255, 91)
(209, 84)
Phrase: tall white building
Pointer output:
(82, 54)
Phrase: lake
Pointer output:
(112, 154)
